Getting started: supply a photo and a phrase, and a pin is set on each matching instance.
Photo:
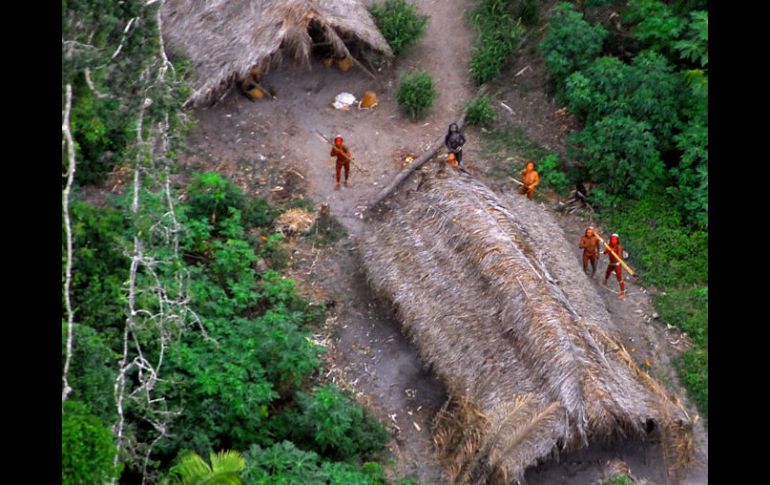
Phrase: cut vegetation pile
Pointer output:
(225, 40)
(497, 305)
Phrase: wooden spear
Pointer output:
(620, 260)
(319, 135)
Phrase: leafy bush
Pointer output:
(99, 267)
(479, 111)
(655, 24)
(416, 93)
(498, 35)
(90, 375)
(620, 153)
(285, 464)
(618, 480)
(400, 23)
(274, 252)
(551, 174)
(211, 196)
(647, 91)
(87, 447)
(695, 46)
(336, 426)
(571, 43)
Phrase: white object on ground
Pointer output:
(344, 101)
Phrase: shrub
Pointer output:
(479, 112)
(90, 375)
(695, 46)
(87, 447)
(498, 37)
(656, 25)
(99, 267)
(551, 174)
(646, 91)
(416, 93)
(620, 153)
(571, 43)
(336, 426)
(284, 463)
(400, 23)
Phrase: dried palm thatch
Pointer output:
(492, 296)
(227, 39)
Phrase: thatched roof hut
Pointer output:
(226, 39)
(495, 302)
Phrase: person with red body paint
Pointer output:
(343, 154)
(614, 264)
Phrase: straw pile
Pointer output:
(497, 305)
(225, 40)
(294, 221)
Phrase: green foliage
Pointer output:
(618, 480)
(695, 45)
(694, 372)
(336, 426)
(285, 464)
(479, 111)
(691, 175)
(665, 251)
(211, 196)
(400, 23)
(104, 126)
(90, 373)
(687, 309)
(193, 470)
(87, 448)
(620, 152)
(655, 24)
(499, 34)
(646, 91)
(527, 11)
(416, 93)
(99, 267)
(551, 174)
(571, 43)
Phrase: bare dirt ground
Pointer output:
(270, 149)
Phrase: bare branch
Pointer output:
(67, 132)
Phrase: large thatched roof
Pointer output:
(499, 307)
(224, 39)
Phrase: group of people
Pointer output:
(454, 141)
(591, 245)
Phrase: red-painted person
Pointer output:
(589, 243)
(614, 264)
(343, 154)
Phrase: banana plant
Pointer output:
(193, 470)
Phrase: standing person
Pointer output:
(589, 243)
(343, 154)
(614, 264)
(530, 179)
(454, 141)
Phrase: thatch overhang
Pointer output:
(497, 305)
(226, 39)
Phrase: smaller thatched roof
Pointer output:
(225, 39)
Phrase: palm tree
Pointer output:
(193, 470)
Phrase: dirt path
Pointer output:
(255, 143)
(258, 143)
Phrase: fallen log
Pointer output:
(404, 174)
